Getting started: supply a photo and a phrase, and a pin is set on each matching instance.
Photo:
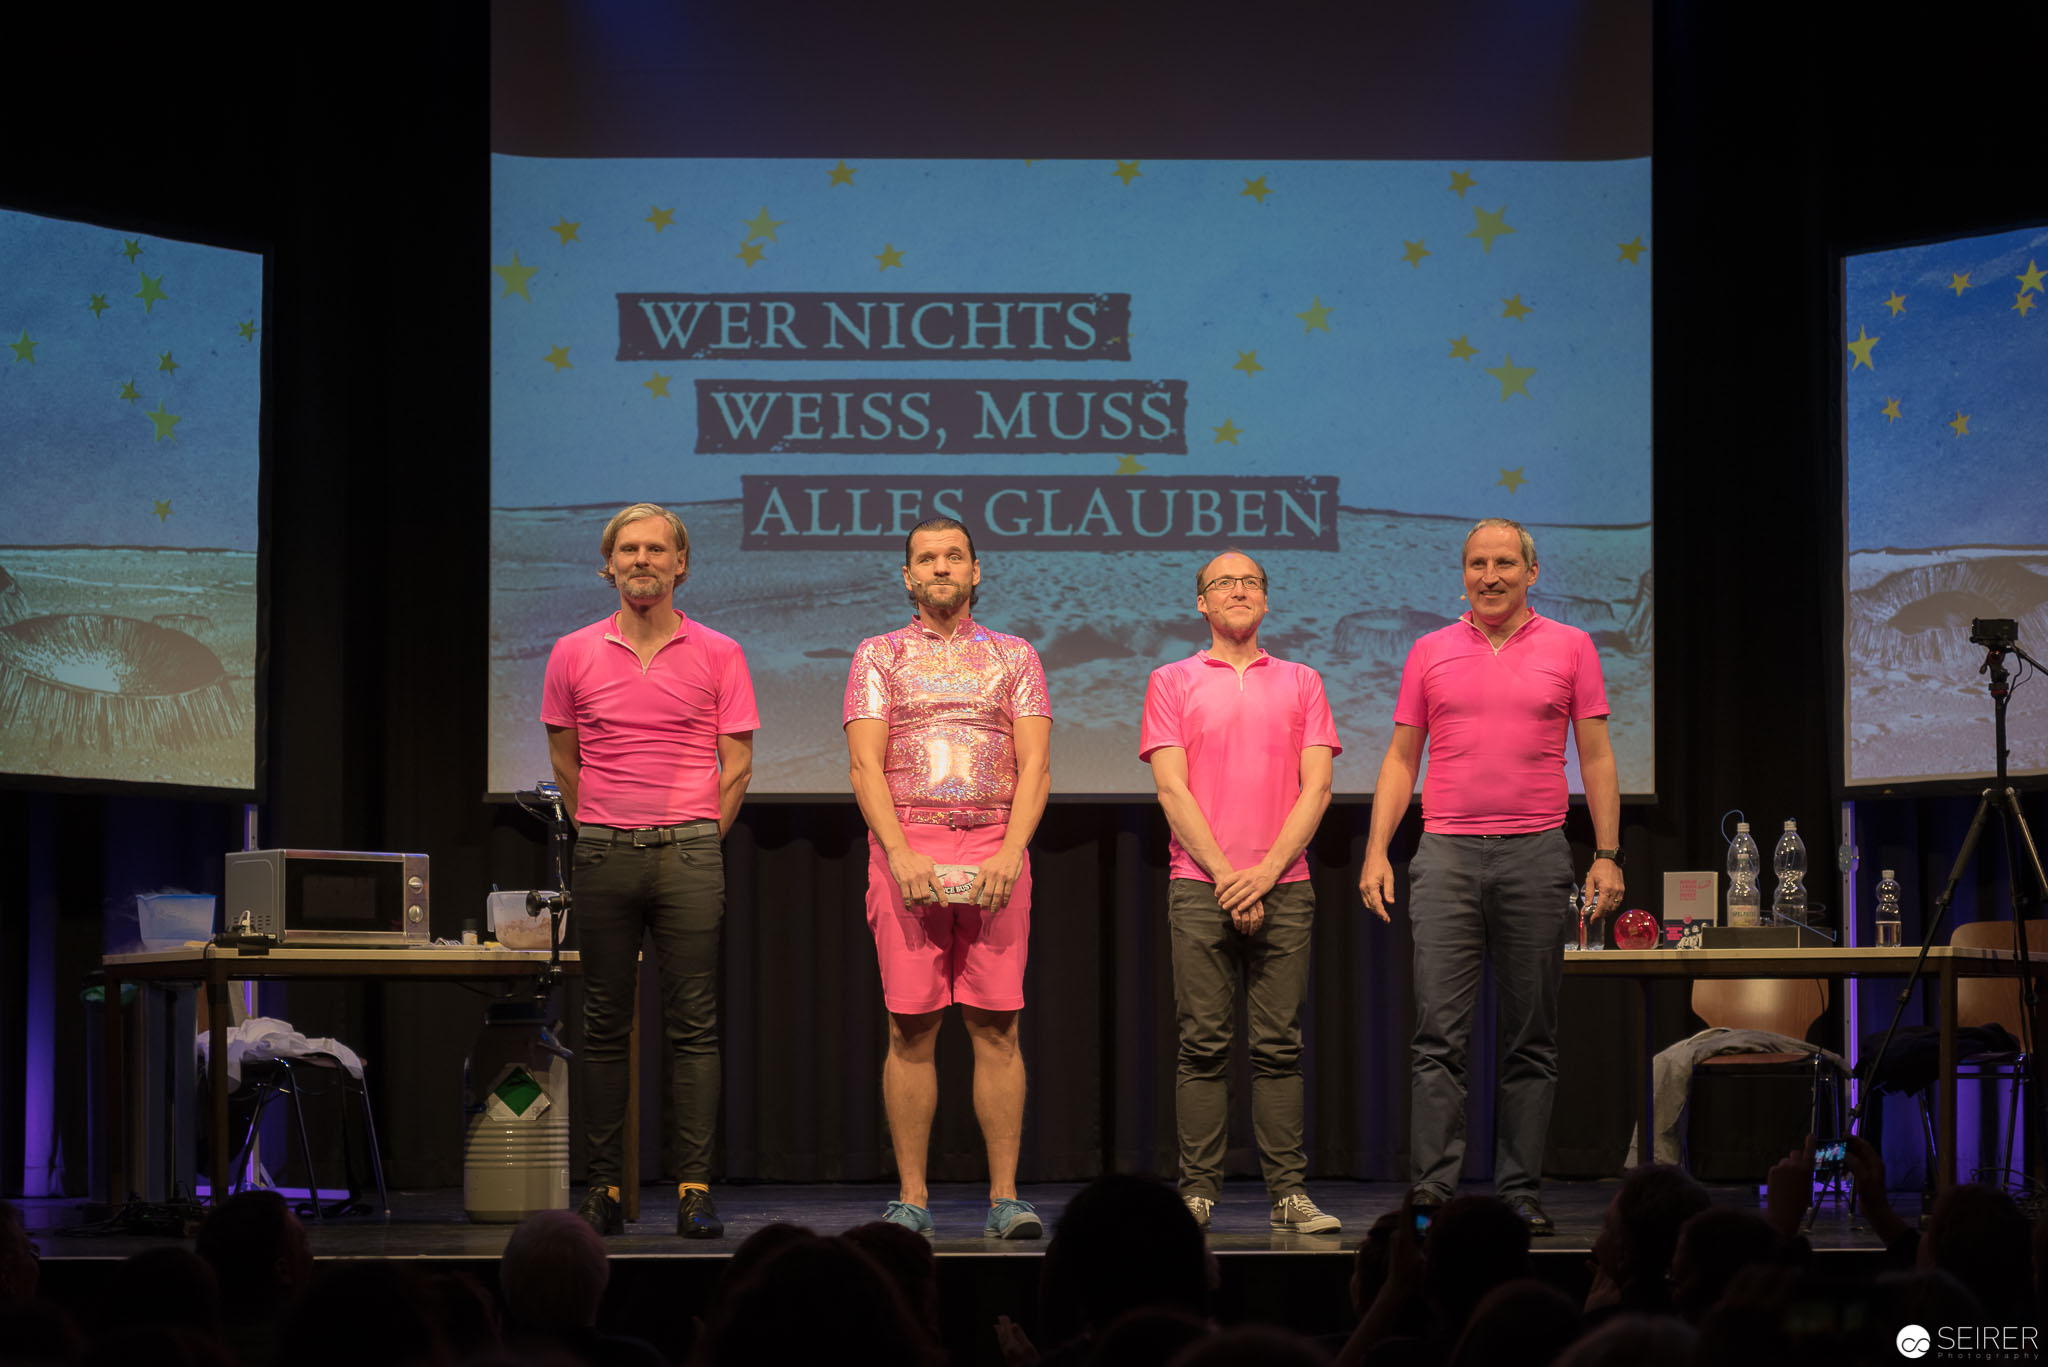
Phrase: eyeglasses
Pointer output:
(1252, 583)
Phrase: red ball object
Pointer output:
(1636, 929)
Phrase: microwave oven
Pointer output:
(343, 898)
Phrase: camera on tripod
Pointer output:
(1994, 633)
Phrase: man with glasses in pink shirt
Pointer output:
(1492, 695)
(1240, 745)
(949, 730)
(650, 719)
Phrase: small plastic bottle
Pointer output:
(1788, 901)
(1745, 901)
(1887, 911)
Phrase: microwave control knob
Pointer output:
(413, 913)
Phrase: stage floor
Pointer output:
(431, 1224)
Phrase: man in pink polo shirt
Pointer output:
(651, 721)
(1240, 745)
(1491, 695)
(949, 728)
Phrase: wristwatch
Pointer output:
(1614, 855)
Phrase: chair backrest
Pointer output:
(1994, 1001)
(1784, 1006)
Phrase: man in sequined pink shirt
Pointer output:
(949, 728)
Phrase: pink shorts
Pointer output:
(940, 953)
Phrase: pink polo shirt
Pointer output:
(1243, 734)
(648, 737)
(1495, 722)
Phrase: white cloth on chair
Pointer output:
(266, 1037)
(1671, 1080)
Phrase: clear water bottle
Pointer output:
(1887, 911)
(1574, 928)
(1788, 902)
(1745, 861)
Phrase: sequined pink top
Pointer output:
(950, 705)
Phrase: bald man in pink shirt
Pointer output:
(1492, 695)
(1240, 745)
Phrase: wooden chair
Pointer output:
(1783, 1006)
(1992, 1001)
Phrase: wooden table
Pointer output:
(214, 967)
(1945, 965)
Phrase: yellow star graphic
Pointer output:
(1861, 349)
(1513, 378)
(1897, 303)
(1512, 479)
(1462, 350)
(2024, 302)
(1127, 171)
(1461, 181)
(128, 391)
(750, 252)
(658, 386)
(247, 330)
(2032, 279)
(1890, 410)
(1248, 362)
(889, 257)
(1959, 283)
(1414, 253)
(1961, 423)
(566, 231)
(24, 350)
(1489, 226)
(98, 305)
(1632, 249)
(1128, 465)
(660, 218)
(163, 421)
(133, 249)
(166, 364)
(151, 291)
(162, 509)
(515, 277)
(1229, 432)
(1318, 316)
(1257, 189)
(559, 359)
(1515, 308)
(842, 174)
(762, 226)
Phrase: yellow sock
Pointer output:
(614, 1192)
(685, 1187)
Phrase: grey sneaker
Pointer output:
(1199, 1207)
(1298, 1215)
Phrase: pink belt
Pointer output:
(954, 817)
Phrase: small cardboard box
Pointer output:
(1692, 896)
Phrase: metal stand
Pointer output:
(1998, 639)
(547, 804)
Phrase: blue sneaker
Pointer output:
(1008, 1219)
(916, 1219)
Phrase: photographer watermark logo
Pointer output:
(1913, 1342)
(1971, 1342)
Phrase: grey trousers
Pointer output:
(1500, 900)
(678, 892)
(1210, 957)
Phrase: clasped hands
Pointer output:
(917, 876)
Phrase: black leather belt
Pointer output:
(640, 837)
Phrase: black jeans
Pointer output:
(1211, 957)
(678, 892)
